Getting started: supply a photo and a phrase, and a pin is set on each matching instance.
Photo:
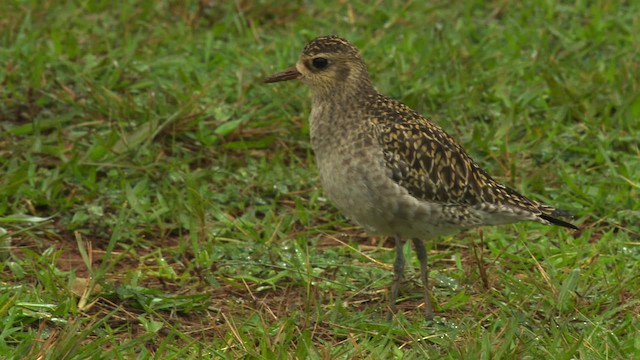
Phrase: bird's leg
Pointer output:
(424, 276)
(398, 271)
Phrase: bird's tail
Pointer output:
(551, 215)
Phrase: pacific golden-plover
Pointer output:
(392, 170)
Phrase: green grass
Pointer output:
(158, 201)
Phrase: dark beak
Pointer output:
(289, 74)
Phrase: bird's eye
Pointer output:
(319, 63)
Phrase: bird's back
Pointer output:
(432, 167)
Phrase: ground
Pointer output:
(158, 201)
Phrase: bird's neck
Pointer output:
(344, 95)
(335, 113)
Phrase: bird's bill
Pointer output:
(289, 74)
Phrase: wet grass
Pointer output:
(158, 201)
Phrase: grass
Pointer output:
(158, 201)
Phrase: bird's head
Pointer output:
(329, 65)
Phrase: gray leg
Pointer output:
(424, 275)
(398, 271)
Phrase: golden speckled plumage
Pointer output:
(426, 161)
(392, 170)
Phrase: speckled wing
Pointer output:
(427, 162)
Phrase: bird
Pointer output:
(393, 171)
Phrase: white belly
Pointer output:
(369, 197)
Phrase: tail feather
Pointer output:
(551, 217)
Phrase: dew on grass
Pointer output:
(281, 188)
(447, 282)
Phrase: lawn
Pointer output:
(157, 200)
